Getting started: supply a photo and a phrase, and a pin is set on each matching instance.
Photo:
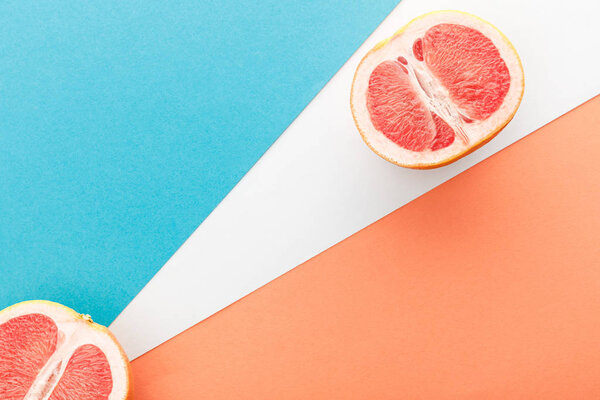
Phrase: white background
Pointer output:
(319, 183)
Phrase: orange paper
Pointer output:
(487, 287)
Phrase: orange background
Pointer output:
(487, 287)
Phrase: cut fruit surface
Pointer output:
(396, 109)
(26, 344)
(442, 86)
(469, 66)
(50, 352)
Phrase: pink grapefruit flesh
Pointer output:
(26, 344)
(396, 109)
(87, 376)
(469, 66)
(441, 87)
(48, 351)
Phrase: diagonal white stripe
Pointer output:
(319, 183)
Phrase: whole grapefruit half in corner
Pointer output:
(441, 87)
(50, 352)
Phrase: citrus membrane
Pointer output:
(438, 89)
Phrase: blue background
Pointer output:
(124, 123)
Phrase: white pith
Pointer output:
(401, 45)
(72, 333)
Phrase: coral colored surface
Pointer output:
(485, 287)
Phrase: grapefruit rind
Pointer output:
(397, 45)
(69, 321)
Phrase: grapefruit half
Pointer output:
(50, 352)
(442, 86)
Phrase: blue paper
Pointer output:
(124, 123)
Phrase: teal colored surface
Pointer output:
(124, 123)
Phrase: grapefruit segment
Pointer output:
(26, 344)
(396, 109)
(418, 49)
(444, 134)
(86, 377)
(50, 352)
(442, 86)
(469, 66)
